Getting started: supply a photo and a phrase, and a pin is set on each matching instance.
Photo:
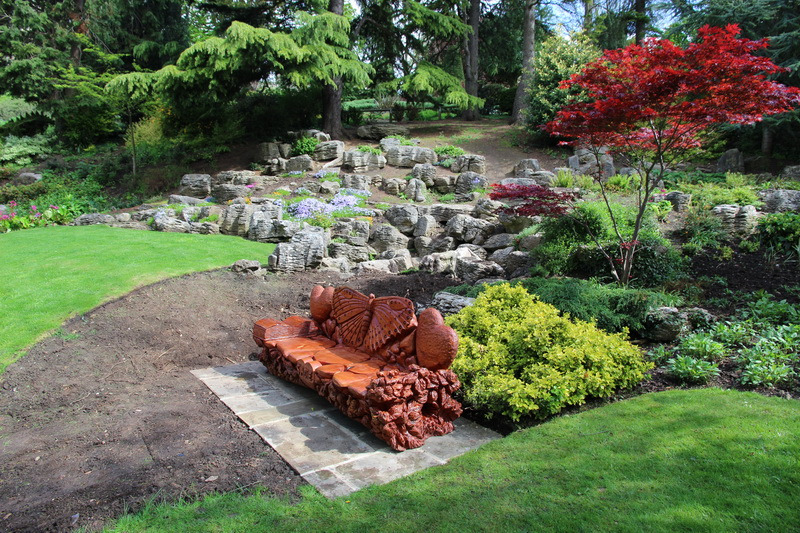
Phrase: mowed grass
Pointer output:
(683, 460)
(50, 274)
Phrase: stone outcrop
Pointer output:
(195, 185)
(737, 221)
(408, 156)
(415, 190)
(467, 182)
(404, 217)
(356, 181)
(385, 237)
(358, 161)
(269, 151)
(585, 162)
(469, 163)
(328, 151)
(450, 304)
(780, 201)
(424, 172)
(379, 131)
(731, 161)
(305, 250)
(300, 163)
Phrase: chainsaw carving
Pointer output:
(373, 359)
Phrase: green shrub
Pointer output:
(304, 146)
(613, 308)
(660, 210)
(22, 151)
(766, 373)
(708, 195)
(687, 369)
(448, 151)
(780, 231)
(518, 357)
(21, 193)
(703, 230)
(404, 141)
(564, 178)
(369, 149)
(766, 310)
(702, 346)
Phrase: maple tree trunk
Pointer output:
(332, 94)
(471, 63)
(767, 139)
(526, 79)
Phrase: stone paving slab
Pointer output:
(332, 452)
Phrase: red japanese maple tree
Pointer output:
(653, 101)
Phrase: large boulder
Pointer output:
(445, 262)
(465, 228)
(237, 218)
(500, 240)
(469, 181)
(195, 185)
(585, 162)
(487, 209)
(270, 151)
(265, 229)
(359, 161)
(328, 151)
(471, 270)
(235, 177)
(26, 178)
(426, 226)
(731, 161)
(224, 192)
(737, 221)
(356, 181)
(665, 324)
(394, 186)
(444, 212)
(163, 222)
(526, 164)
(379, 131)
(415, 190)
(90, 219)
(443, 184)
(449, 304)
(680, 201)
(385, 237)
(408, 156)
(424, 172)
(469, 163)
(792, 172)
(404, 217)
(354, 254)
(305, 250)
(299, 163)
(780, 200)
(353, 231)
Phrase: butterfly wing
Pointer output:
(391, 317)
(351, 310)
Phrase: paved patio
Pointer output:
(335, 454)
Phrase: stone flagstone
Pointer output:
(332, 452)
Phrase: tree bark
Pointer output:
(767, 139)
(640, 8)
(526, 79)
(332, 94)
(471, 63)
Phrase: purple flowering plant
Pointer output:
(15, 220)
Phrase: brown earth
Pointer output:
(105, 415)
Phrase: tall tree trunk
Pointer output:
(526, 79)
(78, 26)
(640, 9)
(588, 14)
(332, 94)
(471, 63)
(767, 139)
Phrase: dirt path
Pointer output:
(103, 417)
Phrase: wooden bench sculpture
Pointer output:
(372, 358)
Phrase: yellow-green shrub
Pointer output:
(518, 357)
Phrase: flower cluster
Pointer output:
(320, 174)
(361, 193)
(340, 205)
(14, 220)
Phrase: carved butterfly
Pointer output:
(371, 321)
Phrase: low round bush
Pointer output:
(519, 358)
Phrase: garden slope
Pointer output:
(106, 414)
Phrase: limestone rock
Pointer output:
(195, 185)
(469, 163)
(359, 161)
(394, 186)
(328, 151)
(404, 217)
(529, 242)
(499, 256)
(335, 264)
(273, 150)
(792, 172)
(426, 226)
(235, 177)
(162, 222)
(526, 164)
(424, 172)
(204, 228)
(385, 237)
(300, 163)
(445, 262)
(422, 245)
(487, 209)
(665, 324)
(444, 212)
(388, 142)
(262, 228)
(246, 265)
(476, 250)
(321, 136)
(305, 250)
(450, 304)
(500, 240)
(470, 270)
(400, 259)
(466, 182)
(185, 200)
(351, 230)
(89, 219)
(415, 190)
(353, 254)
(379, 131)
(585, 162)
(517, 264)
(780, 200)
(737, 221)
(443, 184)
(356, 181)
(465, 228)
(225, 192)
(329, 187)
(731, 161)
(680, 201)
(26, 178)
(408, 156)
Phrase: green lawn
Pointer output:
(50, 274)
(696, 460)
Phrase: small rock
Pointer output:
(245, 265)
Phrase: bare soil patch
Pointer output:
(105, 415)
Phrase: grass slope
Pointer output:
(50, 274)
(684, 460)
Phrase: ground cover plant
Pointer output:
(658, 462)
(78, 276)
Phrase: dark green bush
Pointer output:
(780, 231)
(612, 307)
(519, 358)
(304, 146)
(21, 194)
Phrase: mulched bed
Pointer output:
(105, 416)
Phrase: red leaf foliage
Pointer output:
(533, 200)
(658, 96)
